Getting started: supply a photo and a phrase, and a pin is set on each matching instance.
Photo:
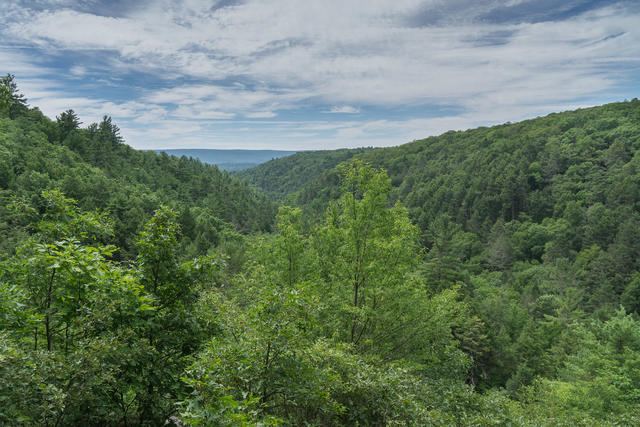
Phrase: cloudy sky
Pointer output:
(300, 74)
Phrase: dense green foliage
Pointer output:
(487, 277)
(318, 331)
(98, 170)
(536, 223)
(281, 177)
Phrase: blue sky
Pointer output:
(293, 74)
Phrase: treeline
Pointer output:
(93, 166)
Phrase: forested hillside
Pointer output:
(281, 177)
(485, 173)
(94, 166)
(537, 223)
(487, 277)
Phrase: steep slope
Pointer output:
(538, 222)
(95, 167)
(534, 168)
(281, 177)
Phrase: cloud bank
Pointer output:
(264, 74)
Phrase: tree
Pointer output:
(449, 249)
(12, 102)
(366, 250)
(171, 330)
(109, 132)
(67, 122)
(105, 139)
(67, 310)
(5, 98)
(291, 243)
(367, 253)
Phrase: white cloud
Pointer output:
(261, 115)
(78, 71)
(345, 109)
(196, 113)
(15, 62)
(226, 102)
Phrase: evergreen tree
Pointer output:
(12, 102)
(67, 121)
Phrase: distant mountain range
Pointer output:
(229, 160)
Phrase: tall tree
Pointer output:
(12, 102)
(172, 330)
(366, 249)
(67, 122)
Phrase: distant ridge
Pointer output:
(281, 177)
(229, 160)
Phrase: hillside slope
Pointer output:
(95, 167)
(539, 222)
(535, 169)
(281, 177)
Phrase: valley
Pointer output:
(480, 277)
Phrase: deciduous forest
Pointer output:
(484, 277)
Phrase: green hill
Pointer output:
(283, 176)
(535, 169)
(94, 166)
(547, 208)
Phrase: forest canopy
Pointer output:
(486, 277)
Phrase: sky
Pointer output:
(305, 75)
